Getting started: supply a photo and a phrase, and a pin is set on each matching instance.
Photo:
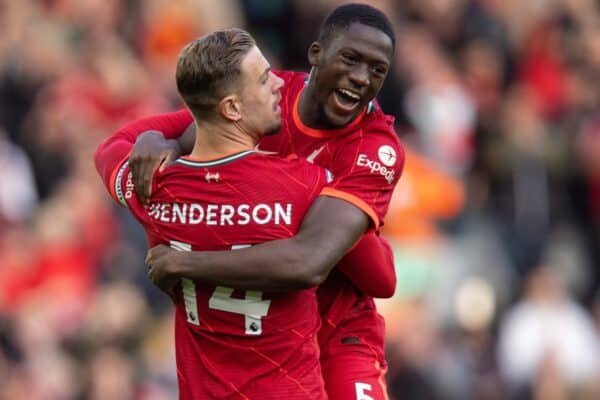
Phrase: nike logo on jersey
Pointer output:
(311, 157)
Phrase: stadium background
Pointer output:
(495, 222)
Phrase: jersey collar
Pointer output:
(322, 133)
(191, 162)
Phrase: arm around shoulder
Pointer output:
(330, 228)
(370, 266)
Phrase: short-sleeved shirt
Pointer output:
(366, 159)
(230, 343)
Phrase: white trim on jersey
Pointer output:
(220, 161)
(119, 185)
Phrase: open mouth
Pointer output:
(346, 99)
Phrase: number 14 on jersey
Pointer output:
(252, 306)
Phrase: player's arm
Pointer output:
(113, 151)
(162, 139)
(329, 229)
(359, 192)
(370, 266)
(367, 169)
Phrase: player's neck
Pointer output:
(308, 109)
(215, 141)
(311, 112)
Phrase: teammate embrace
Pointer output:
(247, 321)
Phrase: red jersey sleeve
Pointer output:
(120, 186)
(379, 279)
(111, 163)
(367, 168)
(109, 157)
(112, 152)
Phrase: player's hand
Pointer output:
(150, 152)
(160, 263)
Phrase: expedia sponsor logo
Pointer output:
(376, 167)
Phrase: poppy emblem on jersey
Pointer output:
(387, 155)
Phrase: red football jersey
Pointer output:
(235, 344)
(366, 159)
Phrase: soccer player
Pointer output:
(230, 344)
(330, 118)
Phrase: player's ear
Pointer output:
(230, 108)
(314, 53)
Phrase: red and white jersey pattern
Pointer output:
(235, 344)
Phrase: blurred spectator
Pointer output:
(18, 196)
(437, 103)
(108, 322)
(112, 376)
(525, 162)
(548, 338)
(541, 67)
(587, 191)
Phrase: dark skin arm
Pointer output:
(329, 229)
(152, 152)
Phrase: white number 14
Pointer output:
(252, 307)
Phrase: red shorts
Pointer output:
(352, 377)
(352, 353)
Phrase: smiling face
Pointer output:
(348, 72)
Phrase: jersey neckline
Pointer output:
(192, 162)
(322, 133)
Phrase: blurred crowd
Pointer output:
(495, 223)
